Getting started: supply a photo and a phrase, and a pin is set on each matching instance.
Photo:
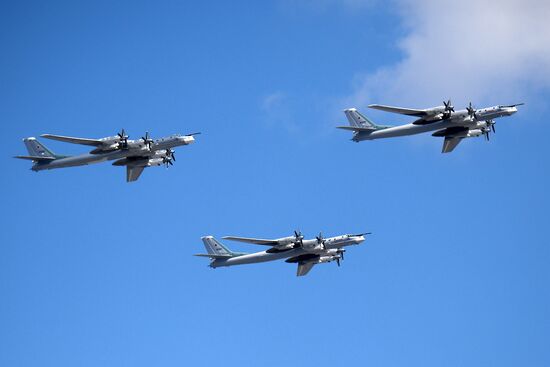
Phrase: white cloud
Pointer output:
(487, 51)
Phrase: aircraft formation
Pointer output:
(136, 155)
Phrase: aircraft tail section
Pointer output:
(356, 119)
(37, 149)
(38, 153)
(360, 123)
(215, 250)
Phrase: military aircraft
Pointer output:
(136, 155)
(443, 120)
(295, 249)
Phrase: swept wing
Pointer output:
(401, 110)
(255, 241)
(450, 143)
(304, 268)
(74, 140)
(133, 173)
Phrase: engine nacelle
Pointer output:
(160, 154)
(474, 133)
(327, 259)
(286, 240)
(155, 162)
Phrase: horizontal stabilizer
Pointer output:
(35, 158)
(356, 128)
(215, 256)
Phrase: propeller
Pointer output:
(490, 127)
(340, 254)
(198, 133)
(492, 124)
(146, 140)
(471, 111)
(169, 158)
(449, 108)
(321, 241)
(299, 238)
(122, 139)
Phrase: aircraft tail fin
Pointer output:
(356, 119)
(215, 250)
(38, 153)
(37, 149)
(359, 123)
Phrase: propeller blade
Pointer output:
(197, 133)
(338, 262)
(146, 140)
(448, 106)
(471, 110)
(493, 128)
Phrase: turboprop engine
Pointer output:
(473, 133)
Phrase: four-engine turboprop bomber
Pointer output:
(295, 249)
(136, 155)
(443, 120)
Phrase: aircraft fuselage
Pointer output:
(136, 149)
(310, 247)
(459, 118)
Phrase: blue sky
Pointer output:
(95, 271)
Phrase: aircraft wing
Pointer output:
(133, 173)
(304, 268)
(400, 110)
(449, 144)
(73, 140)
(255, 241)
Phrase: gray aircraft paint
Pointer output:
(365, 129)
(221, 255)
(137, 149)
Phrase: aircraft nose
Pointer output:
(511, 110)
(187, 139)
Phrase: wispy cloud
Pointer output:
(277, 111)
(486, 51)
